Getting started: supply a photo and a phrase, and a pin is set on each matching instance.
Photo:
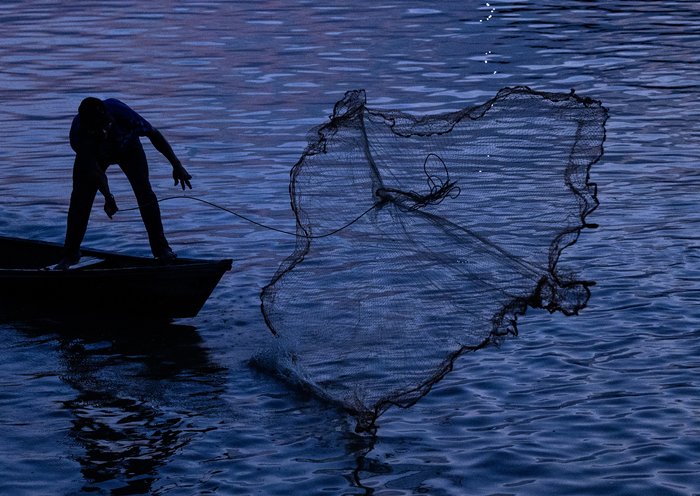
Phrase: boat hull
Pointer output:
(113, 286)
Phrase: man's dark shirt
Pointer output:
(126, 128)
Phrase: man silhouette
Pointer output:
(107, 132)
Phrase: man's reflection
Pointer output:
(141, 399)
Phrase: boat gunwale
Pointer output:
(112, 262)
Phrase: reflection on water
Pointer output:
(141, 396)
(125, 442)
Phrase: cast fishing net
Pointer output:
(453, 225)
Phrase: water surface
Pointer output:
(602, 403)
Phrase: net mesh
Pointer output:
(451, 226)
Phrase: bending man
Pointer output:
(105, 133)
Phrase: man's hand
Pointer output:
(181, 176)
(110, 206)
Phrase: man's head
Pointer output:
(93, 115)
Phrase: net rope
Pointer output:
(453, 226)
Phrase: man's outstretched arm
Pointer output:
(180, 174)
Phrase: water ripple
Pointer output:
(603, 403)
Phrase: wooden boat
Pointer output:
(105, 285)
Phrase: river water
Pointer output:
(605, 402)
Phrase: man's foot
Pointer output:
(67, 261)
(165, 256)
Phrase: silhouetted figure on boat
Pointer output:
(107, 132)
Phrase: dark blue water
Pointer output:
(602, 403)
